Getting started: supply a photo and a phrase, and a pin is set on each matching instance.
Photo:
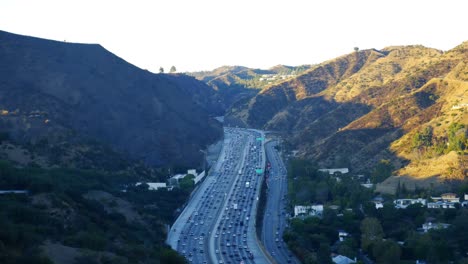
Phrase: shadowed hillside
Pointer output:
(67, 94)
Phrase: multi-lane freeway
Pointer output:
(218, 224)
(274, 220)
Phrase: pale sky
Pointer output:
(204, 34)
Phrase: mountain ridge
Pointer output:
(104, 97)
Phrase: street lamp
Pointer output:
(204, 159)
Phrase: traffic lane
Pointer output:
(196, 232)
(226, 204)
(275, 206)
(281, 173)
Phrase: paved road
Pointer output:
(217, 225)
(274, 220)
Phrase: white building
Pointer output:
(441, 204)
(428, 226)
(332, 171)
(199, 177)
(311, 210)
(459, 106)
(404, 203)
(342, 235)
(153, 186)
(340, 259)
(378, 204)
(447, 197)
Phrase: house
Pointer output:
(441, 204)
(340, 259)
(368, 184)
(447, 197)
(428, 226)
(459, 106)
(404, 203)
(378, 205)
(198, 177)
(378, 201)
(333, 171)
(154, 186)
(342, 235)
(310, 210)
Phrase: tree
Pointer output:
(161, 70)
(356, 49)
(371, 232)
(386, 252)
(173, 69)
(382, 171)
(187, 182)
(323, 254)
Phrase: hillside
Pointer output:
(61, 100)
(235, 83)
(366, 106)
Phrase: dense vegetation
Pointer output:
(455, 139)
(386, 235)
(57, 209)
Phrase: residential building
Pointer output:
(333, 171)
(308, 210)
(198, 177)
(428, 226)
(378, 205)
(154, 186)
(378, 201)
(368, 184)
(403, 203)
(447, 197)
(340, 259)
(441, 204)
(342, 235)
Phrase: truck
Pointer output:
(247, 184)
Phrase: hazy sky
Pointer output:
(205, 34)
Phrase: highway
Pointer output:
(274, 220)
(218, 223)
